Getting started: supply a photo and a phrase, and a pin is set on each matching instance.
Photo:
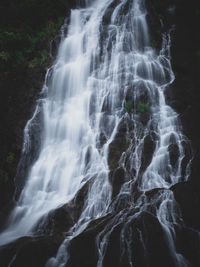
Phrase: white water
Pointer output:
(97, 67)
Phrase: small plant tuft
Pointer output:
(10, 158)
(128, 106)
(142, 107)
(4, 56)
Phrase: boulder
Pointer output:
(30, 251)
(82, 248)
(63, 218)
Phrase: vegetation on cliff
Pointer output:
(26, 26)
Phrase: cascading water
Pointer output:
(104, 108)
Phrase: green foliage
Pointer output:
(25, 46)
(40, 60)
(128, 106)
(3, 176)
(33, 63)
(10, 158)
(44, 56)
(19, 56)
(4, 56)
(142, 107)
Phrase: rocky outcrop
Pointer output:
(30, 251)
(49, 233)
(63, 218)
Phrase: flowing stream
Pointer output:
(107, 85)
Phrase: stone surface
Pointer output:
(30, 251)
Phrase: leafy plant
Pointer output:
(24, 45)
(142, 107)
(128, 106)
(10, 158)
(40, 60)
(44, 56)
(4, 56)
(33, 63)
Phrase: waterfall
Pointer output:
(104, 112)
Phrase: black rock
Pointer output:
(30, 251)
(117, 178)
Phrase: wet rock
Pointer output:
(155, 246)
(152, 193)
(54, 44)
(130, 94)
(57, 221)
(117, 146)
(78, 202)
(148, 150)
(85, 245)
(101, 140)
(115, 246)
(142, 117)
(186, 161)
(115, 249)
(173, 154)
(146, 246)
(121, 202)
(130, 170)
(107, 15)
(147, 243)
(63, 218)
(30, 251)
(117, 178)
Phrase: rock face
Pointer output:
(29, 251)
(146, 236)
(50, 232)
